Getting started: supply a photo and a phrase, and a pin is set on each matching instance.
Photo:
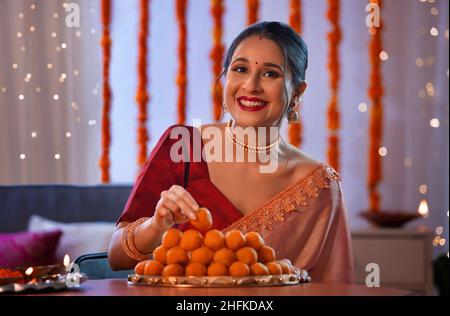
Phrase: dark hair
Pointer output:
(292, 45)
(290, 42)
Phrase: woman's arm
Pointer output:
(147, 237)
(175, 206)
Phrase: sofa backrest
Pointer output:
(64, 203)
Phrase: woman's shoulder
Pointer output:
(305, 165)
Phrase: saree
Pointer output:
(305, 223)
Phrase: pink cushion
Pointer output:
(24, 249)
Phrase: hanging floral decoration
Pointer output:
(376, 114)
(104, 162)
(252, 11)
(142, 96)
(181, 6)
(295, 21)
(216, 55)
(334, 39)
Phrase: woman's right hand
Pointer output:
(175, 206)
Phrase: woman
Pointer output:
(297, 206)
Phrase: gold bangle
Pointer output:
(127, 241)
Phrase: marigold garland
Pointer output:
(181, 6)
(376, 115)
(334, 39)
(216, 55)
(104, 162)
(141, 94)
(252, 11)
(295, 130)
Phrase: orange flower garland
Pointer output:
(142, 95)
(104, 162)
(252, 11)
(295, 129)
(216, 55)
(334, 39)
(376, 116)
(182, 60)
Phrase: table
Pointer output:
(115, 287)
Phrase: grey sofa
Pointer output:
(66, 203)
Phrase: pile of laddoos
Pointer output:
(212, 253)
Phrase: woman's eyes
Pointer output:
(270, 74)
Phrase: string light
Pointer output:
(21, 97)
(57, 156)
(407, 162)
(434, 31)
(38, 89)
(362, 107)
(423, 189)
(419, 62)
(55, 15)
(32, 28)
(77, 33)
(439, 230)
(92, 122)
(22, 156)
(434, 11)
(33, 6)
(49, 66)
(93, 31)
(3, 89)
(53, 34)
(64, 45)
(20, 15)
(434, 123)
(68, 134)
(384, 56)
(33, 134)
(422, 93)
(19, 35)
(75, 72)
(430, 89)
(55, 97)
(382, 151)
(27, 77)
(22, 49)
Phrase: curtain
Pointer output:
(49, 93)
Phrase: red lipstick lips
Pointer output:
(251, 103)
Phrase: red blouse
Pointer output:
(160, 173)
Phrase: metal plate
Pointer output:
(49, 282)
(220, 281)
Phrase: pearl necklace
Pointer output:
(249, 148)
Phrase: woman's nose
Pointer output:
(252, 84)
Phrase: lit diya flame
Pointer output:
(29, 271)
(423, 208)
(66, 260)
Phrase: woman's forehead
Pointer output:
(259, 49)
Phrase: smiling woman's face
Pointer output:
(257, 83)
